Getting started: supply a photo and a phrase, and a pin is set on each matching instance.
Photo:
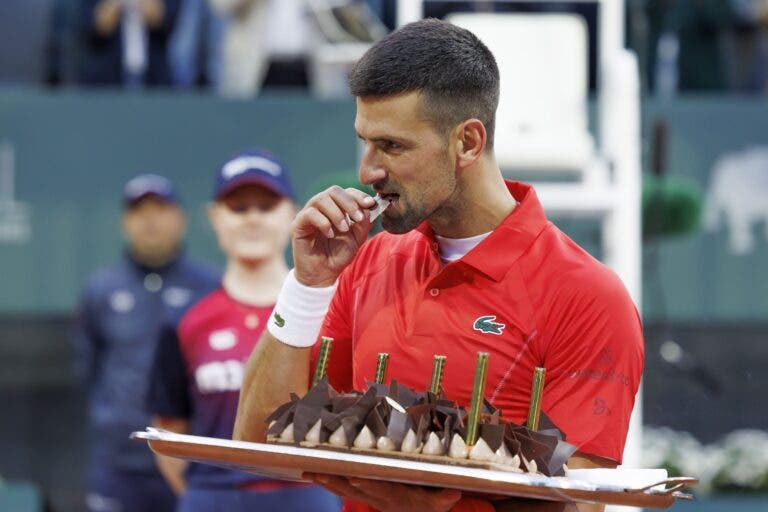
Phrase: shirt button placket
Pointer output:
(434, 292)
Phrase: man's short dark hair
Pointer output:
(453, 70)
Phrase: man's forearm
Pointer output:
(273, 371)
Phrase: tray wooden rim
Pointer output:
(284, 459)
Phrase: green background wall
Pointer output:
(74, 152)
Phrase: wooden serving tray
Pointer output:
(288, 462)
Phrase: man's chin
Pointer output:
(397, 226)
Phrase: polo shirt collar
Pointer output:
(496, 254)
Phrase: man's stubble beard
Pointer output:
(412, 218)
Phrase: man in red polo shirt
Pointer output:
(468, 263)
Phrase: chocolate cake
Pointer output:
(396, 421)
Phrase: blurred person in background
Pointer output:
(686, 44)
(194, 48)
(746, 47)
(125, 42)
(120, 318)
(264, 42)
(198, 367)
(244, 57)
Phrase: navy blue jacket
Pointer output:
(123, 310)
(101, 58)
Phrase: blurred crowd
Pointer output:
(233, 47)
(238, 47)
(702, 45)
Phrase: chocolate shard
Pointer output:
(352, 417)
(398, 425)
(404, 395)
(319, 395)
(560, 456)
(330, 421)
(283, 421)
(341, 403)
(423, 428)
(460, 427)
(375, 423)
(381, 389)
(513, 445)
(447, 433)
(362, 406)
(537, 448)
(277, 413)
(352, 427)
(488, 408)
(493, 435)
(417, 412)
(383, 409)
(547, 426)
(304, 416)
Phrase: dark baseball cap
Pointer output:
(254, 167)
(145, 185)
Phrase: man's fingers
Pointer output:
(449, 496)
(311, 219)
(385, 491)
(334, 211)
(365, 201)
(338, 486)
(351, 203)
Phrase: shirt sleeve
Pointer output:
(338, 325)
(167, 394)
(86, 340)
(594, 361)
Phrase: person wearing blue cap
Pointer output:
(122, 311)
(198, 368)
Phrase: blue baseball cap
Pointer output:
(145, 185)
(254, 167)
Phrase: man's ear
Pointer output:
(470, 138)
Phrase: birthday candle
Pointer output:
(438, 368)
(475, 408)
(381, 367)
(534, 409)
(322, 359)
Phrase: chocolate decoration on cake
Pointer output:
(397, 421)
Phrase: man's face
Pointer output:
(252, 223)
(405, 160)
(154, 229)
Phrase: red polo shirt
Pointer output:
(527, 295)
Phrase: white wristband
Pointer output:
(299, 312)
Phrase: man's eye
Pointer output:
(388, 145)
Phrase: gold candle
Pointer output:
(381, 367)
(476, 406)
(534, 410)
(322, 359)
(438, 368)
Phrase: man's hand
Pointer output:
(324, 242)
(388, 496)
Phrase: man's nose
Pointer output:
(371, 168)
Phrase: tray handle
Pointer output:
(671, 485)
